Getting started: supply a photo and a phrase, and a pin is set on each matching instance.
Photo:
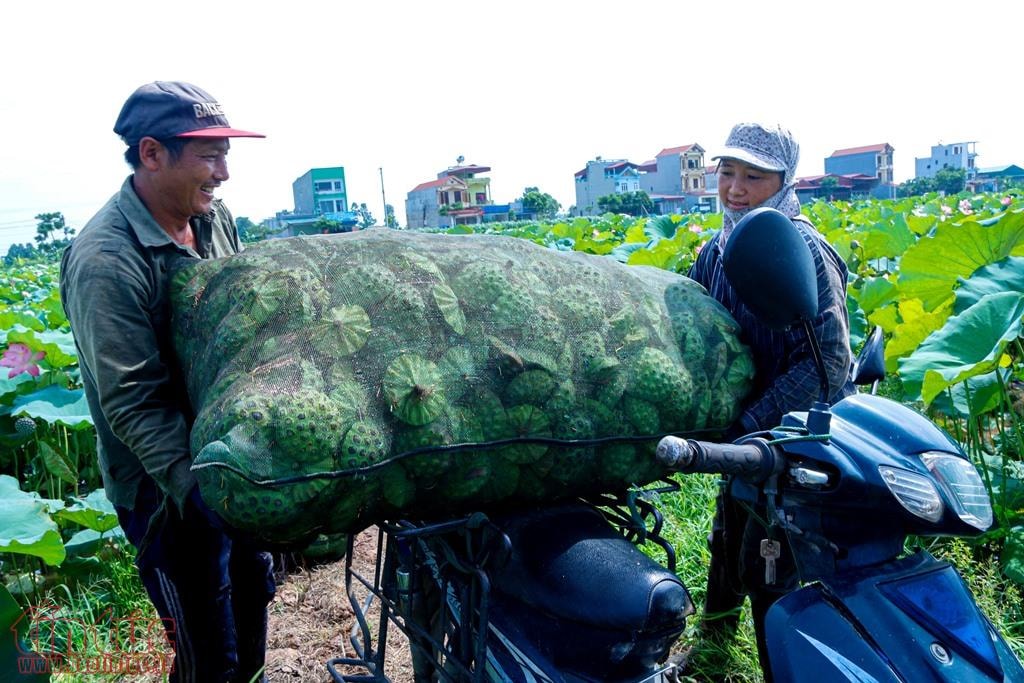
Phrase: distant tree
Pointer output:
(951, 180)
(541, 204)
(828, 185)
(251, 232)
(916, 186)
(389, 216)
(52, 233)
(366, 219)
(610, 203)
(632, 203)
(19, 251)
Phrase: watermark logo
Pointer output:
(57, 644)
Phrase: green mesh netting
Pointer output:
(343, 379)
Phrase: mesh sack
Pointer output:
(342, 379)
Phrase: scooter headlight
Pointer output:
(964, 489)
(914, 491)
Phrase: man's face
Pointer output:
(188, 183)
(742, 186)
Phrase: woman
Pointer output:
(758, 168)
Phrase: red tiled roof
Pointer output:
(649, 165)
(429, 184)
(675, 150)
(860, 150)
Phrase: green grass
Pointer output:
(106, 613)
(688, 515)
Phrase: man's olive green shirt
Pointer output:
(113, 284)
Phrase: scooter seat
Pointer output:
(568, 562)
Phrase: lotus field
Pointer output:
(942, 276)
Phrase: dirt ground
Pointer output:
(311, 620)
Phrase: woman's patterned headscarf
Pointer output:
(771, 148)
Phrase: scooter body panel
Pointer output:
(910, 620)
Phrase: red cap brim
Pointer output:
(220, 133)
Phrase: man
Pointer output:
(212, 592)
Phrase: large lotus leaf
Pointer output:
(94, 512)
(665, 253)
(968, 344)
(913, 327)
(9, 386)
(929, 270)
(661, 227)
(888, 238)
(1013, 554)
(874, 293)
(858, 323)
(1003, 276)
(624, 251)
(26, 525)
(9, 319)
(55, 405)
(974, 396)
(921, 225)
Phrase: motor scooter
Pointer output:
(845, 486)
(561, 594)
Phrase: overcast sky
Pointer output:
(532, 89)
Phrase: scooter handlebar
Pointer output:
(750, 460)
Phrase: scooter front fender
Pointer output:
(909, 620)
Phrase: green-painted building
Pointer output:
(321, 192)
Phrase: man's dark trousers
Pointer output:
(212, 590)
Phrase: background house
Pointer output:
(866, 161)
(955, 155)
(602, 177)
(675, 180)
(319, 193)
(830, 186)
(458, 196)
(995, 178)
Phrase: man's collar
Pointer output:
(147, 230)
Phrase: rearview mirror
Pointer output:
(771, 269)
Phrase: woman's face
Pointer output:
(742, 186)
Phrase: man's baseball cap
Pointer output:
(174, 109)
(770, 148)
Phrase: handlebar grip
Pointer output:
(749, 460)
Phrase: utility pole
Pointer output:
(380, 169)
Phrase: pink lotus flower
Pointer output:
(965, 207)
(1006, 201)
(695, 228)
(19, 358)
(947, 210)
(595, 233)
